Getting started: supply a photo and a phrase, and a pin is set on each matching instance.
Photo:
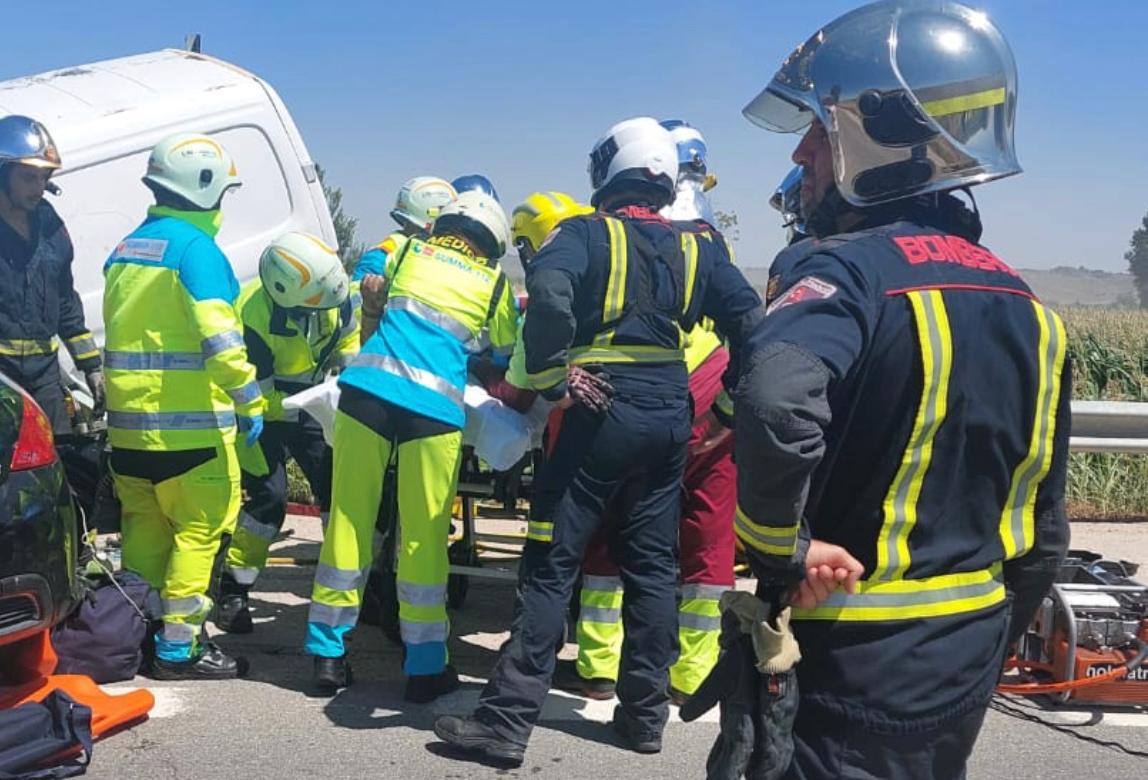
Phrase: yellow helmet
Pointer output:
(540, 213)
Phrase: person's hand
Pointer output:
(587, 388)
(99, 388)
(827, 567)
(373, 288)
(715, 434)
(252, 426)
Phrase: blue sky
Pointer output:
(520, 91)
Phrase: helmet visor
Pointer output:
(778, 112)
(788, 104)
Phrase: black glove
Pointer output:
(589, 389)
(757, 711)
(732, 684)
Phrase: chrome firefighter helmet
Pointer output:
(917, 96)
(24, 140)
(691, 148)
(787, 200)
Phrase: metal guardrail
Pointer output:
(1109, 426)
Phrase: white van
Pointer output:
(105, 118)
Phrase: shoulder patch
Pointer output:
(809, 288)
(149, 250)
(772, 287)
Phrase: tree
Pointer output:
(345, 224)
(727, 224)
(1137, 258)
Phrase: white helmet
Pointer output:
(194, 167)
(478, 217)
(637, 154)
(299, 271)
(421, 200)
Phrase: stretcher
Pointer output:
(498, 447)
(29, 664)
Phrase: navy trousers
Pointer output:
(631, 459)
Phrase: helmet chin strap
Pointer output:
(823, 219)
(827, 217)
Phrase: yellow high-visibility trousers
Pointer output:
(427, 470)
(171, 533)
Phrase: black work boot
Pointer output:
(425, 688)
(231, 612)
(211, 664)
(332, 674)
(634, 735)
(474, 737)
(567, 678)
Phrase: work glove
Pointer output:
(252, 425)
(755, 684)
(588, 388)
(99, 388)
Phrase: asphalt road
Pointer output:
(269, 727)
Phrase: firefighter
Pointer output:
(786, 199)
(40, 305)
(530, 223)
(610, 293)
(401, 402)
(905, 409)
(298, 325)
(705, 533)
(179, 385)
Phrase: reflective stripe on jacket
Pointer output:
(439, 302)
(176, 364)
(907, 399)
(619, 290)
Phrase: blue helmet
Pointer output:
(691, 146)
(474, 182)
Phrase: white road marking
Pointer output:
(168, 701)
